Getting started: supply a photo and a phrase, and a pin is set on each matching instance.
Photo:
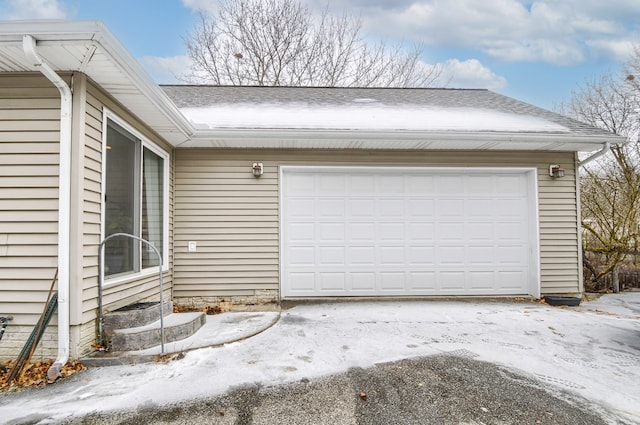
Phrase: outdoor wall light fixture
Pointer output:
(257, 169)
(555, 171)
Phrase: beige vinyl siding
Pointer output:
(141, 288)
(234, 217)
(29, 134)
(560, 244)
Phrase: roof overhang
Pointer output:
(89, 47)
(393, 139)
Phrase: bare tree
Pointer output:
(632, 69)
(610, 187)
(280, 43)
(610, 194)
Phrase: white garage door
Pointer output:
(399, 232)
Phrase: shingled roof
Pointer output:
(426, 115)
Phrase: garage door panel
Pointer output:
(362, 184)
(452, 281)
(451, 184)
(509, 280)
(420, 256)
(331, 282)
(330, 184)
(302, 283)
(420, 185)
(480, 281)
(450, 231)
(481, 255)
(480, 208)
(392, 281)
(363, 282)
(362, 207)
(510, 185)
(389, 184)
(390, 232)
(447, 208)
(421, 231)
(510, 208)
(391, 255)
(301, 256)
(331, 231)
(390, 208)
(397, 232)
(301, 232)
(509, 230)
(481, 231)
(511, 255)
(300, 186)
(423, 282)
(301, 208)
(420, 208)
(362, 255)
(480, 185)
(331, 256)
(330, 208)
(448, 255)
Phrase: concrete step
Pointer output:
(135, 315)
(218, 330)
(177, 326)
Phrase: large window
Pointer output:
(134, 201)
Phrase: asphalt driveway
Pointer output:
(405, 362)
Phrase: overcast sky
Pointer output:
(536, 51)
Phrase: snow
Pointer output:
(217, 330)
(593, 351)
(366, 115)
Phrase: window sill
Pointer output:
(122, 280)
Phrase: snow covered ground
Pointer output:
(592, 351)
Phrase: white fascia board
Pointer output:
(143, 81)
(271, 137)
(63, 33)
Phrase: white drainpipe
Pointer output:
(64, 202)
(605, 148)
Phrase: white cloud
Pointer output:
(471, 74)
(166, 70)
(210, 6)
(559, 32)
(33, 9)
(619, 49)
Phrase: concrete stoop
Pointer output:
(177, 326)
(138, 327)
(134, 315)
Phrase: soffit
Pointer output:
(90, 48)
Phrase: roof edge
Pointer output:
(48, 31)
(247, 137)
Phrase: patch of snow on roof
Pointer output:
(365, 116)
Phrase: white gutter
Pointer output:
(175, 128)
(605, 148)
(64, 202)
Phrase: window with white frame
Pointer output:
(135, 201)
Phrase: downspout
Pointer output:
(605, 148)
(64, 202)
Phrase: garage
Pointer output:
(390, 231)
